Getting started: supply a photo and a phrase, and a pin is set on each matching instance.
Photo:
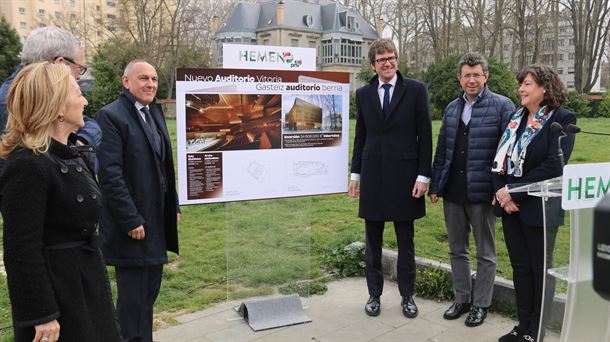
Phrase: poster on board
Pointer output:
(260, 134)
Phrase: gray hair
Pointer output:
(130, 65)
(473, 59)
(381, 45)
(46, 43)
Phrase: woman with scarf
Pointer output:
(528, 153)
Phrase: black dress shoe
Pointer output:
(527, 338)
(409, 309)
(373, 306)
(512, 336)
(456, 310)
(476, 316)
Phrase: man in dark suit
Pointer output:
(391, 159)
(140, 214)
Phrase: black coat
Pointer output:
(541, 162)
(490, 115)
(50, 204)
(131, 178)
(390, 153)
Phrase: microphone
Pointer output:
(557, 127)
(572, 128)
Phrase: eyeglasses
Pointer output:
(81, 68)
(390, 59)
(469, 76)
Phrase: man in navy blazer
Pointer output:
(392, 161)
(140, 214)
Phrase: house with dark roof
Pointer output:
(339, 34)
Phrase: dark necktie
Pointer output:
(152, 128)
(386, 99)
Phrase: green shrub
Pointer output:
(345, 261)
(405, 71)
(107, 68)
(10, 45)
(437, 113)
(578, 104)
(433, 283)
(603, 110)
(352, 104)
(366, 72)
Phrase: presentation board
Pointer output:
(260, 134)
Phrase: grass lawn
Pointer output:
(292, 235)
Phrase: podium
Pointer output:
(586, 314)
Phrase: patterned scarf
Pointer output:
(510, 154)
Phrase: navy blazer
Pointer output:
(132, 180)
(389, 153)
(541, 162)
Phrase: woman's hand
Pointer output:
(47, 332)
(503, 196)
(511, 207)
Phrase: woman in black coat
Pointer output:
(528, 153)
(57, 282)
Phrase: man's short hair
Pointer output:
(130, 65)
(381, 45)
(473, 59)
(47, 43)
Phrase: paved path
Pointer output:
(338, 316)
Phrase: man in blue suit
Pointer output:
(391, 160)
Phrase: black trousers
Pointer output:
(406, 257)
(138, 288)
(525, 246)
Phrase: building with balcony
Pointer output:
(339, 34)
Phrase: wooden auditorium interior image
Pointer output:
(222, 122)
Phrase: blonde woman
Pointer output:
(58, 285)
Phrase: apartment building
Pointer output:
(90, 20)
(565, 52)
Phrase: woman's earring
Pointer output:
(60, 118)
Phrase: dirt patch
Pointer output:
(174, 264)
(166, 319)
